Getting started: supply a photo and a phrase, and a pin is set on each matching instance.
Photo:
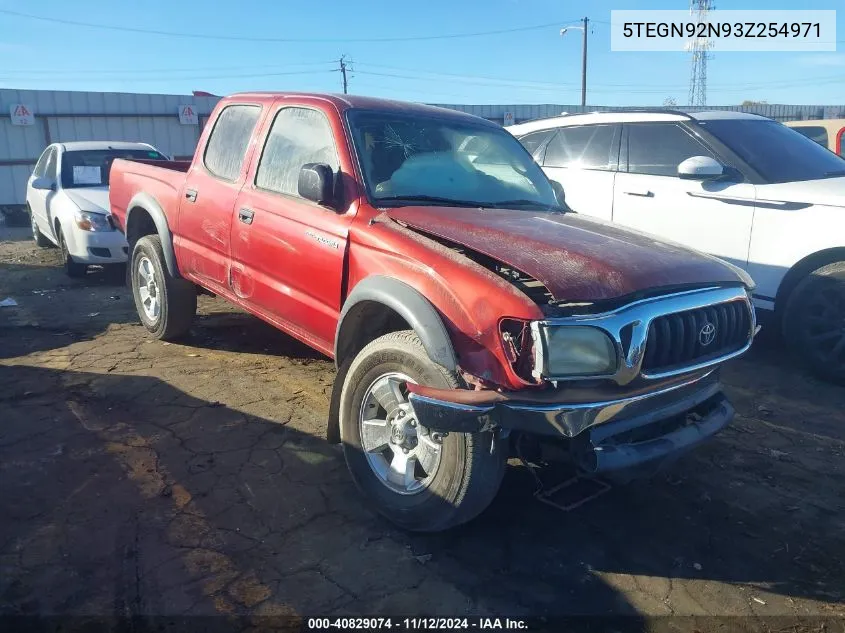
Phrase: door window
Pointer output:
(658, 148)
(583, 147)
(535, 143)
(50, 168)
(41, 165)
(226, 148)
(297, 137)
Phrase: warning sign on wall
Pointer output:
(508, 119)
(188, 115)
(21, 114)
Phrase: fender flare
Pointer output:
(412, 306)
(150, 205)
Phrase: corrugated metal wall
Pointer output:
(113, 116)
(90, 116)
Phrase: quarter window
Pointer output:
(535, 143)
(226, 148)
(583, 147)
(658, 148)
(298, 136)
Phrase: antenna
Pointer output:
(699, 48)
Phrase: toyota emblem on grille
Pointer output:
(707, 334)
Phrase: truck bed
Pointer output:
(162, 180)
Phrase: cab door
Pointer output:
(39, 199)
(208, 198)
(288, 252)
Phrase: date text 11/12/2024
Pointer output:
(416, 624)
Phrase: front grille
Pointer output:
(684, 338)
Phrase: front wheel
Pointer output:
(418, 479)
(37, 235)
(72, 268)
(165, 304)
(814, 322)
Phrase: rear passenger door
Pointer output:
(584, 159)
(208, 199)
(288, 252)
(713, 216)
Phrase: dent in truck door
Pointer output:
(288, 252)
(211, 188)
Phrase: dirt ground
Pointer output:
(140, 477)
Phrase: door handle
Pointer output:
(643, 193)
(191, 195)
(246, 215)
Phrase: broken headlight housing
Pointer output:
(563, 351)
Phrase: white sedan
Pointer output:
(67, 197)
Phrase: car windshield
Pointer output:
(90, 167)
(777, 152)
(440, 160)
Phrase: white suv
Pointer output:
(739, 186)
(67, 197)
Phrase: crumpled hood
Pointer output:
(577, 259)
(94, 199)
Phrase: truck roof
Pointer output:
(347, 102)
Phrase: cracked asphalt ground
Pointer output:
(140, 477)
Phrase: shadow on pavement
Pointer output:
(215, 510)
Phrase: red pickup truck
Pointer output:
(465, 306)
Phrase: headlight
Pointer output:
(575, 351)
(92, 221)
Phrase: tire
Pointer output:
(469, 468)
(72, 269)
(814, 322)
(37, 235)
(176, 299)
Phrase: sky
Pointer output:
(423, 61)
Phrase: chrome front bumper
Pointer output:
(610, 434)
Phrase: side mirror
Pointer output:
(44, 183)
(316, 183)
(700, 168)
(559, 193)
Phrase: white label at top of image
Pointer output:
(723, 31)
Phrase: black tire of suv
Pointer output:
(472, 464)
(37, 235)
(178, 296)
(803, 305)
(72, 269)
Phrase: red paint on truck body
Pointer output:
(296, 263)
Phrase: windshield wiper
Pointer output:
(834, 173)
(531, 203)
(434, 199)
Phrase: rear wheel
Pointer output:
(165, 304)
(415, 477)
(72, 269)
(37, 235)
(814, 322)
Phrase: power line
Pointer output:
(250, 38)
(53, 71)
(190, 78)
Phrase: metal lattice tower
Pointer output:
(699, 48)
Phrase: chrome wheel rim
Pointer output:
(403, 454)
(148, 289)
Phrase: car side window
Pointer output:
(583, 147)
(658, 148)
(50, 170)
(226, 147)
(298, 136)
(41, 165)
(814, 133)
(535, 143)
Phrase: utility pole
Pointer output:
(585, 21)
(343, 72)
(699, 47)
(584, 67)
